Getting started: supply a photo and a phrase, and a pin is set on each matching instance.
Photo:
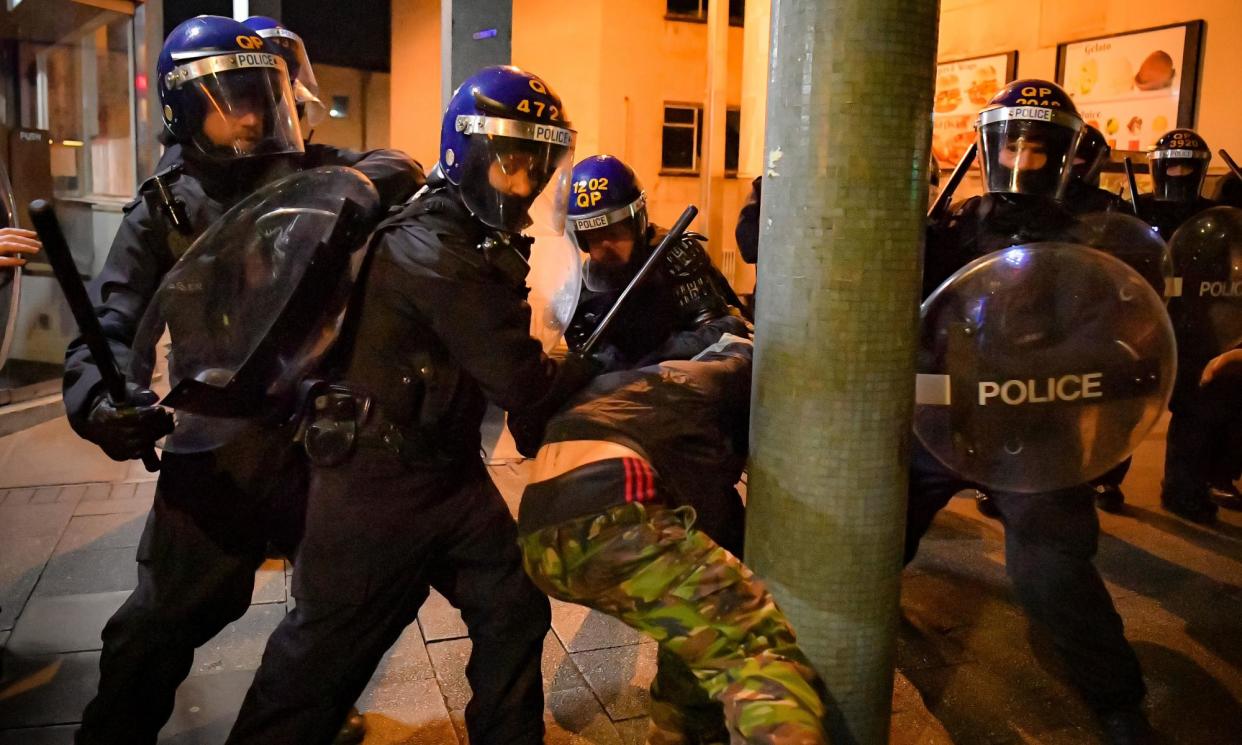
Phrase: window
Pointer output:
(683, 133)
(80, 91)
(696, 10)
(683, 127)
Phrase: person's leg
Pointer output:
(196, 564)
(480, 573)
(1050, 541)
(650, 570)
(681, 712)
(930, 489)
(1187, 460)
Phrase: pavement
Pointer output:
(970, 668)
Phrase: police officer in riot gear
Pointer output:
(440, 328)
(1083, 194)
(1027, 137)
(289, 45)
(1179, 165)
(226, 100)
(608, 223)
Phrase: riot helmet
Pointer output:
(224, 94)
(504, 142)
(1027, 137)
(301, 75)
(607, 220)
(1179, 164)
(1089, 159)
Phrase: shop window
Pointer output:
(696, 11)
(681, 145)
(80, 91)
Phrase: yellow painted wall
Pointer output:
(973, 27)
(416, 109)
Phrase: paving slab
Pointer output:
(269, 583)
(133, 505)
(22, 559)
(206, 708)
(439, 620)
(81, 572)
(412, 712)
(620, 677)
(46, 689)
(404, 662)
(64, 623)
(93, 532)
(34, 520)
(574, 717)
(50, 453)
(239, 647)
(38, 736)
(581, 629)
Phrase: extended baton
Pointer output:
(1133, 187)
(1237, 172)
(59, 256)
(959, 172)
(673, 236)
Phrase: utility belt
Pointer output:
(337, 420)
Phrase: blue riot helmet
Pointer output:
(301, 75)
(1089, 159)
(1179, 165)
(223, 92)
(505, 141)
(607, 220)
(1028, 134)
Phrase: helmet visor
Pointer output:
(243, 105)
(516, 173)
(301, 74)
(1178, 175)
(1024, 156)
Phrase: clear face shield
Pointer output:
(1088, 162)
(1178, 175)
(614, 244)
(243, 103)
(301, 74)
(1027, 155)
(510, 166)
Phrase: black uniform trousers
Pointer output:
(1050, 540)
(378, 535)
(208, 531)
(1202, 445)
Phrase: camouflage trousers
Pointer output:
(647, 566)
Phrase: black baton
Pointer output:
(59, 256)
(959, 172)
(1133, 187)
(673, 236)
(1237, 172)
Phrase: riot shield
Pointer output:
(1130, 239)
(10, 277)
(555, 280)
(1041, 367)
(1207, 258)
(257, 301)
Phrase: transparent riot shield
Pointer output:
(1041, 367)
(258, 300)
(555, 278)
(10, 277)
(1130, 239)
(1207, 259)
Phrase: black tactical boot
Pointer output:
(352, 730)
(985, 505)
(1226, 495)
(1196, 509)
(1110, 498)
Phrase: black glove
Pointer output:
(125, 432)
(692, 276)
(527, 425)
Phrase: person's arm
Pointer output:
(396, 175)
(17, 244)
(747, 231)
(130, 277)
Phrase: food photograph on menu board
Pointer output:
(962, 88)
(1136, 86)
